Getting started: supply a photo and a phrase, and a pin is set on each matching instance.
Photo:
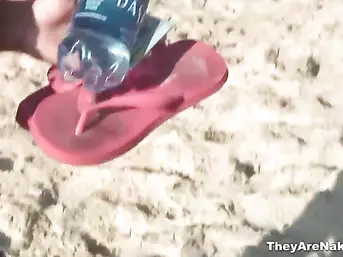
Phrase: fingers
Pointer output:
(53, 12)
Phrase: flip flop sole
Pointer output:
(190, 67)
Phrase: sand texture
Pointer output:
(260, 160)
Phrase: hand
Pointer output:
(47, 27)
(35, 27)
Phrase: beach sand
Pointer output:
(260, 161)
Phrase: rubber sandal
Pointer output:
(72, 125)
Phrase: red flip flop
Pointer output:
(76, 127)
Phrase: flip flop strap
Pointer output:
(147, 99)
(152, 98)
(157, 98)
(160, 98)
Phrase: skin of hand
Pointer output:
(35, 27)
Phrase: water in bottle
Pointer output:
(100, 41)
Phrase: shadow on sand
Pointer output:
(321, 220)
(5, 244)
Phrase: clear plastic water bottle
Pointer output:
(98, 46)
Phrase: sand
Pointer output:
(259, 161)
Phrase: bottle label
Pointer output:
(120, 19)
